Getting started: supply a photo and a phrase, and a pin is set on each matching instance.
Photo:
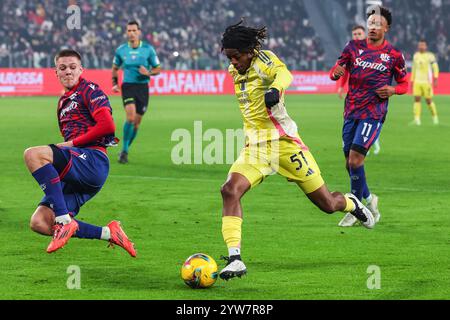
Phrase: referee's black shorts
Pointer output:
(136, 93)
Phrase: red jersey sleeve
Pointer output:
(400, 75)
(98, 105)
(103, 127)
(344, 60)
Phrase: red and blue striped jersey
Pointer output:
(370, 68)
(76, 111)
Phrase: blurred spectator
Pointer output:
(185, 33)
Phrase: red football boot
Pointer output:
(119, 237)
(61, 234)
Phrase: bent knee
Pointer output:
(37, 154)
(227, 190)
(40, 226)
(230, 191)
(30, 154)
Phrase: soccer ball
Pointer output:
(199, 271)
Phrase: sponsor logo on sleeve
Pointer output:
(98, 98)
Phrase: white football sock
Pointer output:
(106, 234)
(64, 219)
(233, 251)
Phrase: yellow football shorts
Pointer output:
(423, 90)
(285, 157)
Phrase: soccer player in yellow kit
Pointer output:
(425, 74)
(272, 142)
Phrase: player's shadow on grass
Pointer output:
(136, 278)
(298, 265)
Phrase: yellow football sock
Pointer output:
(417, 110)
(231, 231)
(433, 109)
(350, 205)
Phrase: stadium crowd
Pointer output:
(185, 33)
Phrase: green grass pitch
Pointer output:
(292, 250)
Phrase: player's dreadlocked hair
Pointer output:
(384, 12)
(242, 38)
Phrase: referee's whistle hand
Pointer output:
(115, 88)
(143, 70)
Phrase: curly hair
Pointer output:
(243, 38)
(384, 12)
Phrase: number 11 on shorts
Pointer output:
(367, 127)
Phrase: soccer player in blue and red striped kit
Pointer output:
(372, 64)
(72, 172)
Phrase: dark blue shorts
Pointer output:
(82, 172)
(360, 134)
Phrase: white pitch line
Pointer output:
(403, 189)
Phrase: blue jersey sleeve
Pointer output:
(153, 58)
(345, 58)
(96, 99)
(117, 59)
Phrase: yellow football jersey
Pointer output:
(425, 68)
(260, 123)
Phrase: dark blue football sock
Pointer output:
(358, 181)
(88, 231)
(48, 179)
(366, 191)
